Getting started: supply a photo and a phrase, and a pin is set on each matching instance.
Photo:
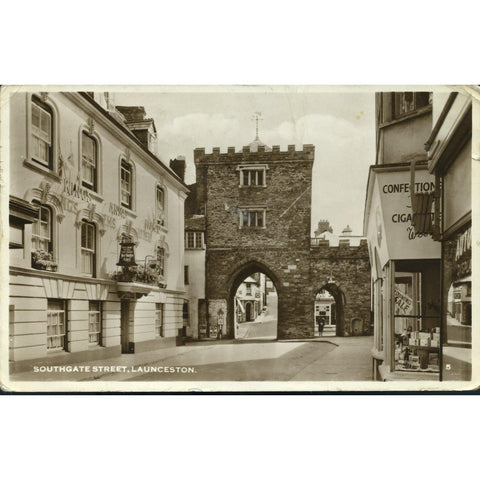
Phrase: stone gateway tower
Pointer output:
(257, 216)
(256, 207)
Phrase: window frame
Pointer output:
(160, 207)
(186, 275)
(127, 166)
(62, 336)
(99, 313)
(396, 114)
(46, 108)
(38, 220)
(197, 237)
(161, 260)
(95, 185)
(249, 172)
(252, 212)
(85, 250)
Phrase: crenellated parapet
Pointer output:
(346, 248)
(261, 154)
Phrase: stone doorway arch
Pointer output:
(337, 293)
(237, 277)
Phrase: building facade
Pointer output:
(405, 261)
(449, 149)
(96, 232)
(195, 275)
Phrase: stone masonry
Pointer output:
(280, 247)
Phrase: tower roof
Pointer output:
(258, 143)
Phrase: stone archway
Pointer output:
(337, 293)
(236, 278)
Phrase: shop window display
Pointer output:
(417, 342)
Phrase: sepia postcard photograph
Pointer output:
(239, 239)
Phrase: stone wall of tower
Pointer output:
(281, 248)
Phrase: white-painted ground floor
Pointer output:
(59, 319)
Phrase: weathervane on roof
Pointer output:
(256, 116)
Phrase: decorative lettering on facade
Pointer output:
(420, 187)
(110, 221)
(464, 243)
(152, 226)
(116, 210)
(75, 190)
(408, 217)
(463, 255)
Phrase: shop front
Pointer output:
(450, 148)
(457, 278)
(405, 276)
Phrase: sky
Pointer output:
(341, 125)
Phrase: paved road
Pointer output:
(265, 325)
(347, 360)
(335, 359)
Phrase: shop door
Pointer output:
(125, 325)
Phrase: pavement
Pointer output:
(332, 359)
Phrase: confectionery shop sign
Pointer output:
(396, 206)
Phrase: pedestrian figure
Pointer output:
(220, 322)
(321, 324)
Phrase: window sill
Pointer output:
(252, 186)
(37, 167)
(56, 351)
(252, 228)
(86, 275)
(95, 195)
(128, 211)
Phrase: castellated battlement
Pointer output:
(344, 246)
(306, 153)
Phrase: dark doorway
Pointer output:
(248, 312)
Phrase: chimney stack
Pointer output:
(178, 166)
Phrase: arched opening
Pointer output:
(253, 303)
(328, 310)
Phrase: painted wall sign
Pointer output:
(75, 190)
(396, 206)
(464, 243)
(463, 255)
(127, 252)
(389, 231)
(116, 210)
